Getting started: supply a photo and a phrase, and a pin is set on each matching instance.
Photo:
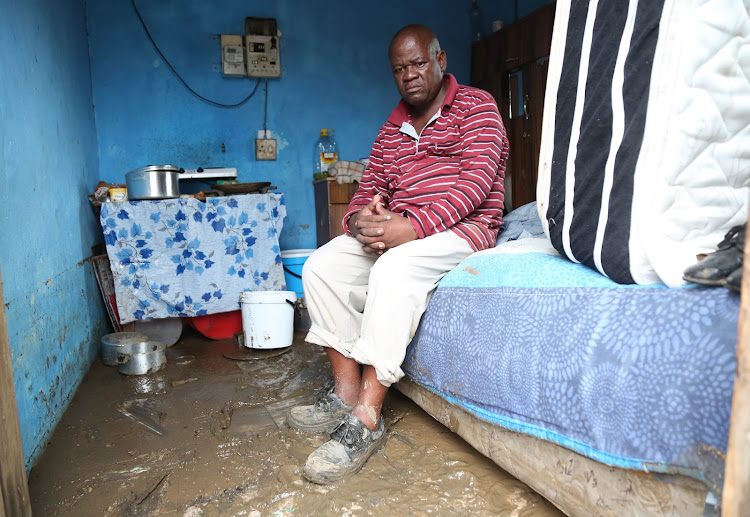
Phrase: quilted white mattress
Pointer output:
(645, 159)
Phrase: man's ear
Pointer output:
(443, 60)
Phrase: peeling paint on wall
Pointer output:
(53, 307)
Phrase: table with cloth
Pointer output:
(183, 257)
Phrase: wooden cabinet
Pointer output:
(331, 201)
(511, 64)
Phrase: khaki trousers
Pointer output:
(368, 307)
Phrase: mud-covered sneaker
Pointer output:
(327, 411)
(351, 444)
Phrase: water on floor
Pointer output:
(206, 436)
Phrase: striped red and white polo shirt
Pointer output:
(450, 176)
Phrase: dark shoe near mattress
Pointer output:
(327, 411)
(716, 267)
(351, 445)
(734, 280)
(734, 238)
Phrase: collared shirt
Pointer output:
(451, 176)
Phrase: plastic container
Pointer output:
(325, 154)
(162, 330)
(268, 318)
(293, 260)
(118, 194)
(223, 325)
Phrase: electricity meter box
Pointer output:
(262, 43)
(232, 56)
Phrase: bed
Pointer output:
(605, 398)
(574, 354)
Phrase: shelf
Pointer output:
(209, 173)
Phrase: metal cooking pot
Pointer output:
(154, 182)
(141, 358)
(113, 343)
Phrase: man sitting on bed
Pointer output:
(432, 194)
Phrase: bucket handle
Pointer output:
(291, 272)
(290, 302)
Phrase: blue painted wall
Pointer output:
(48, 165)
(335, 74)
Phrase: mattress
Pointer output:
(645, 155)
(638, 377)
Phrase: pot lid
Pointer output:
(156, 168)
(124, 338)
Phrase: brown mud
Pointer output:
(206, 436)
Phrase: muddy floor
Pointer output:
(206, 436)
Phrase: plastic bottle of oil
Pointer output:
(325, 154)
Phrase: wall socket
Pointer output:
(265, 149)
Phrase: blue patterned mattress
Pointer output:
(638, 377)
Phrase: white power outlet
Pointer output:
(265, 148)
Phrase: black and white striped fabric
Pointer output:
(645, 158)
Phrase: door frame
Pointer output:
(14, 488)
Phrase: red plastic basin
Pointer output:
(223, 325)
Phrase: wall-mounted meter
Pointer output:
(232, 56)
(262, 43)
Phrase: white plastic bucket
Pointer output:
(268, 318)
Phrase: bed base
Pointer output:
(574, 483)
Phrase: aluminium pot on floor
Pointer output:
(113, 343)
(153, 182)
(141, 358)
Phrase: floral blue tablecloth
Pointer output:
(184, 257)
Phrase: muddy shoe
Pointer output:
(717, 266)
(327, 411)
(351, 444)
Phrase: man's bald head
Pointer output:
(419, 33)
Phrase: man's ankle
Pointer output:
(348, 397)
(368, 417)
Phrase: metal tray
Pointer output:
(243, 188)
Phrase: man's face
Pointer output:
(418, 72)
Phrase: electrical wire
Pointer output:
(265, 110)
(201, 97)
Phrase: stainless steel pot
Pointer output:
(113, 343)
(141, 358)
(153, 182)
